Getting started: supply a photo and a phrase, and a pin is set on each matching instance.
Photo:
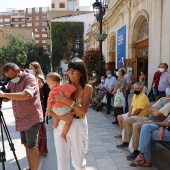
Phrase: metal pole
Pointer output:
(100, 57)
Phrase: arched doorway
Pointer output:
(142, 48)
(112, 54)
(139, 43)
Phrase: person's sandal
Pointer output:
(118, 136)
(140, 161)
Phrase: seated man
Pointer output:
(139, 106)
(99, 96)
(158, 113)
(155, 131)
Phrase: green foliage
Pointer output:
(38, 54)
(14, 51)
(22, 53)
(63, 38)
(91, 58)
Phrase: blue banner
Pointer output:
(121, 47)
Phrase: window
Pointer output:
(44, 29)
(37, 10)
(1, 25)
(44, 23)
(36, 41)
(7, 25)
(29, 18)
(1, 20)
(29, 24)
(36, 18)
(37, 35)
(29, 10)
(36, 30)
(36, 23)
(44, 18)
(143, 31)
(6, 20)
(44, 35)
(61, 5)
(44, 41)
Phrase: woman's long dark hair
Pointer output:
(78, 64)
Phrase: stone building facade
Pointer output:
(146, 35)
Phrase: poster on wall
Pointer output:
(121, 47)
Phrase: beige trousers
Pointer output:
(132, 126)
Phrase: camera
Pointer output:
(3, 88)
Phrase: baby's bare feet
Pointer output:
(63, 137)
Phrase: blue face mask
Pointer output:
(15, 80)
(167, 91)
(31, 72)
(109, 75)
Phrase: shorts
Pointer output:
(30, 136)
(61, 111)
(125, 115)
(99, 96)
(155, 92)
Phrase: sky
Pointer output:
(22, 4)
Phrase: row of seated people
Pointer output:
(143, 123)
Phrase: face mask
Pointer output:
(167, 91)
(109, 75)
(117, 73)
(102, 81)
(94, 74)
(161, 70)
(136, 92)
(31, 72)
(15, 80)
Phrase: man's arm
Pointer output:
(136, 112)
(16, 96)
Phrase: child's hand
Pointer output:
(46, 113)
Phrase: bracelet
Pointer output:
(73, 105)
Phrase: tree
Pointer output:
(38, 53)
(14, 51)
(91, 58)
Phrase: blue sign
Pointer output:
(121, 47)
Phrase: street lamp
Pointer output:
(99, 8)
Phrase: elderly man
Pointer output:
(139, 106)
(110, 82)
(164, 81)
(24, 93)
(158, 112)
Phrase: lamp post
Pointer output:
(99, 8)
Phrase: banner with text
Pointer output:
(121, 47)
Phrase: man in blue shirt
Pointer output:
(109, 85)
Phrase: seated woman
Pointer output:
(154, 131)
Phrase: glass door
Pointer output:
(131, 68)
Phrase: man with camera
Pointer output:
(24, 93)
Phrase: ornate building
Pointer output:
(138, 35)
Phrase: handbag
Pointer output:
(151, 96)
(119, 100)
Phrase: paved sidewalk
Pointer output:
(102, 153)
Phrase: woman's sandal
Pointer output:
(140, 161)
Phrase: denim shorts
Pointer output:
(30, 136)
(155, 92)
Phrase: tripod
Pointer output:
(2, 153)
